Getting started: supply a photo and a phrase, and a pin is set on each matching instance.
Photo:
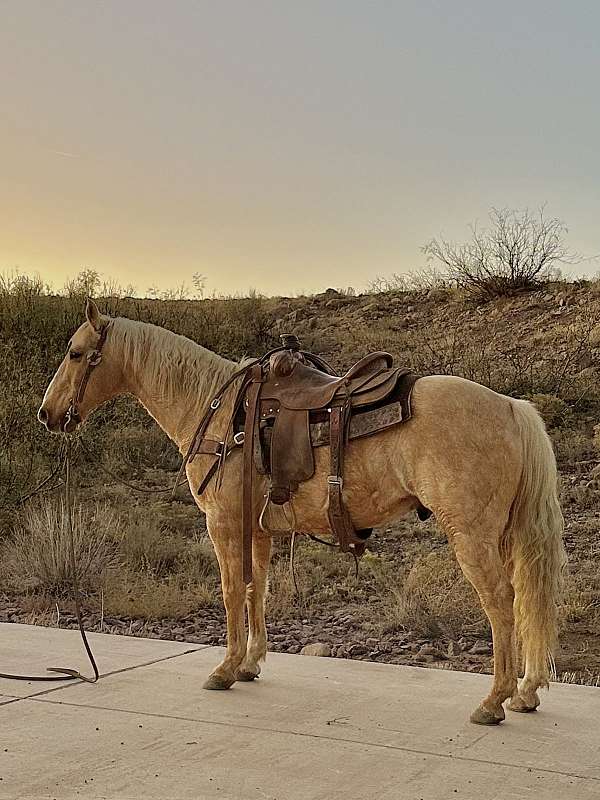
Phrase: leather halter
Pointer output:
(94, 357)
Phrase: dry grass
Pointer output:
(581, 678)
(322, 575)
(129, 594)
(132, 561)
(37, 556)
(581, 598)
(162, 572)
(555, 412)
(433, 599)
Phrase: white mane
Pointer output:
(171, 363)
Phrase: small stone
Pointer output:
(481, 648)
(357, 650)
(454, 649)
(316, 649)
(430, 650)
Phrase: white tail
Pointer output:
(535, 546)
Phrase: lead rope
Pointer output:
(65, 673)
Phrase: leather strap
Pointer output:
(339, 518)
(253, 396)
(93, 359)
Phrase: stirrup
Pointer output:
(275, 531)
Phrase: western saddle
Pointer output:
(290, 402)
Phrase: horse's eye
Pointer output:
(75, 354)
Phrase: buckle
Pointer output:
(239, 437)
(215, 403)
(94, 358)
(336, 480)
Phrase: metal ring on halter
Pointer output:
(215, 403)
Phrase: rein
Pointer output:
(72, 416)
(64, 673)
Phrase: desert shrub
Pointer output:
(322, 574)
(554, 411)
(571, 446)
(424, 279)
(142, 596)
(518, 251)
(434, 599)
(148, 544)
(37, 555)
(139, 446)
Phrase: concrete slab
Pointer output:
(310, 728)
(30, 649)
(4, 699)
(379, 704)
(173, 759)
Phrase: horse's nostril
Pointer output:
(43, 415)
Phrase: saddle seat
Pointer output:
(300, 386)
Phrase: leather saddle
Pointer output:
(297, 393)
(290, 402)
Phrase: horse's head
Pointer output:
(84, 380)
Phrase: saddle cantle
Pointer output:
(290, 402)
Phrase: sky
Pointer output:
(287, 146)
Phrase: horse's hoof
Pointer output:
(246, 675)
(518, 704)
(482, 716)
(217, 683)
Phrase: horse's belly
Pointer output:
(373, 486)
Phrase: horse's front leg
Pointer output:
(255, 603)
(228, 547)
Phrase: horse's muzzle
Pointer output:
(66, 423)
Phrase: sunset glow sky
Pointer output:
(287, 146)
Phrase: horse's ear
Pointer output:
(93, 315)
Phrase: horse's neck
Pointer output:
(175, 382)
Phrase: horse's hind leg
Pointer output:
(255, 605)
(479, 558)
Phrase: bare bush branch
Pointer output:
(518, 251)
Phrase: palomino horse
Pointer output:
(482, 462)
